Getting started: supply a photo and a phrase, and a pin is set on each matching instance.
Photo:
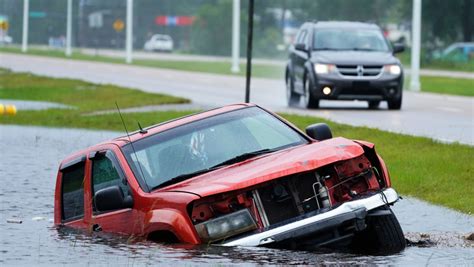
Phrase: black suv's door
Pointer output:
(299, 58)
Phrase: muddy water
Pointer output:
(28, 164)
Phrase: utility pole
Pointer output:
(415, 49)
(249, 52)
(235, 36)
(26, 14)
(69, 28)
(129, 32)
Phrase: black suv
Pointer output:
(344, 61)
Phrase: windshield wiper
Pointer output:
(244, 157)
(183, 177)
(363, 49)
(236, 159)
(326, 48)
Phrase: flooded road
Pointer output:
(28, 166)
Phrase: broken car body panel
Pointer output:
(269, 167)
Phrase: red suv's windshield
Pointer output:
(201, 145)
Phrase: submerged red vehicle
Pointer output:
(235, 176)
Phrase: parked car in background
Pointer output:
(159, 42)
(238, 175)
(343, 61)
(456, 52)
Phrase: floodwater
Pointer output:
(28, 164)
(33, 105)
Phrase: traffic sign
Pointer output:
(4, 25)
(118, 25)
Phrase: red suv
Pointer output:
(236, 175)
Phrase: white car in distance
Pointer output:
(159, 42)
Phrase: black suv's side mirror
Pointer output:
(398, 48)
(112, 198)
(301, 47)
(319, 131)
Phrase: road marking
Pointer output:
(457, 110)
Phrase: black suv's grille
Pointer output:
(359, 70)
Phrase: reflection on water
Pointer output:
(31, 155)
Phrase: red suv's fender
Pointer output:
(171, 220)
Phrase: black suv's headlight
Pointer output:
(392, 69)
(324, 68)
(226, 226)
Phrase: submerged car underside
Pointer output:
(327, 206)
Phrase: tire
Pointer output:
(394, 104)
(291, 97)
(310, 101)
(382, 236)
(374, 104)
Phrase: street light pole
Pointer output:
(249, 52)
(24, 42)
(69, 28)
(415, 48)
(235, 36)
(129, 32)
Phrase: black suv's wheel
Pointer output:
(291, 97)
(383, 235)
(309, 100)
(395, 103)
(374, 104)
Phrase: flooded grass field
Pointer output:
(28, 167)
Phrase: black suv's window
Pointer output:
(73, 192)
(105, 173)
(302, 37)
(350, 39)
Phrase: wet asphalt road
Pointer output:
(446, 118)
(28, 167)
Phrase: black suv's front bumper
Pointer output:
(384, 87)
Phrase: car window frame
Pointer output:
(78, 161)
(301, 39)
(110, 154)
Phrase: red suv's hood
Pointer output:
(264, 168)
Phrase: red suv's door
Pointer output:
(106, 171)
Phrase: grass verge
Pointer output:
(84, 96)
(419, 167)
(442, 85)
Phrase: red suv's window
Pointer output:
(105, 173)
(73, 192)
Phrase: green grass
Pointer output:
(419, 167)
(442, 85)
(87, 97)
(75, 119)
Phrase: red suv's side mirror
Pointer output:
(319, 131)
(112, 198)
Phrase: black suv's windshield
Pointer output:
(349, 39)
(195, 148)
